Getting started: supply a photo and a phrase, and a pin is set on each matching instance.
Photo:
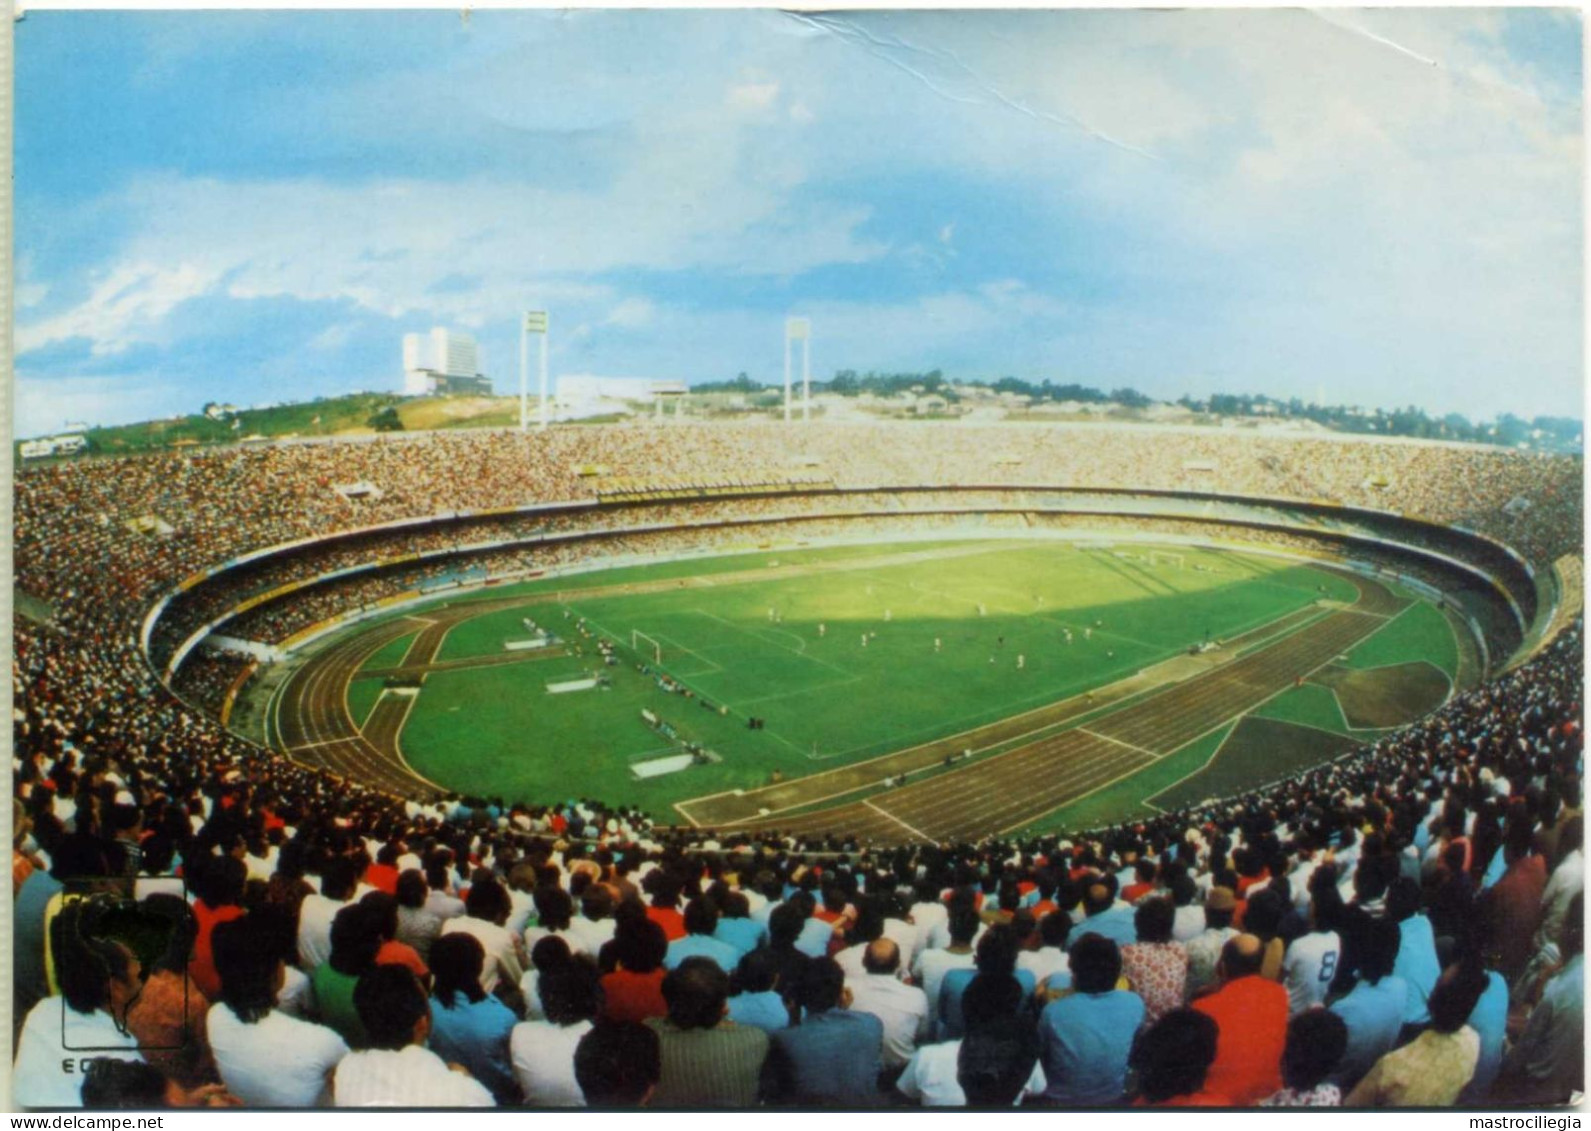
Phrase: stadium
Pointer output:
(991, 660)
(1132, 660)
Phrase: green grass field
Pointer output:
(825, 697)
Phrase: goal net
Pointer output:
(646, 645)
(1165, 558)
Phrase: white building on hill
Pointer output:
(443, 362)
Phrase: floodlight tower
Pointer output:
(535, 323)
(799, 330)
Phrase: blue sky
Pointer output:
(1383, 207)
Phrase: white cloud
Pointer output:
(632, 313)
(125, 306)
(44, 406)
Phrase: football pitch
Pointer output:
(843, 654)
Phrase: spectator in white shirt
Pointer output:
(441, 900)
(933, 964)
(902, 1009)
(338, 881)
(1043, 952)
(487, 910)
(266, 1058)
(100, 980)
(398, 1070)
(931, 918)
(543, 1052)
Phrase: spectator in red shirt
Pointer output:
(664, 911)
(1144, 870)
(1251, 1013)
(218, 881)
(383, 874)
(634, 991)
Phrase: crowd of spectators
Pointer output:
(1402, 927)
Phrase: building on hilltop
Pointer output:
(443, 363)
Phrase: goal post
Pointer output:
(646, 645)
(1166, 557)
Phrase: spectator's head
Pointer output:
(184, 928)
(339, 878)
(412, 889)
(989, 998)
(1317, 1039)
(641, 946)
(618, 1064)
(1153, 919)
(549, 951)
(1378, 949)
(96, 971)
(757, 971)
(784, 926)
(571, 993)
(456, 962)
(1403, 899)
(997, 950)
(1455, 994)
(1173, 1057)
(1055, 928)
(697, 993)
(392, 1007)
(1096, 964)
(822, 986)
(701, 918)
(554, 908)
(383, 911)
(882, 956)
(1097, 898)
(219, 881)
(355, 939)
(251, 967)
(110, 1084)
(963, 925)
(488, 900)
(1266, 910)
(1241, 956)
(1219, 907)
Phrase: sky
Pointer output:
(1378, 207)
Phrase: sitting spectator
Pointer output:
(1316, 1041)
(834, 1055)
(998, 1062)
(548, 953)
(397, 1070)
(735, 924)
(756, 1000)
(265, 1057)
(169, 1016)
(110, 1084)
(354, 943)
(1156, 968)
(1251, 1012)
(996, 958)
(1489, 1019)
(1044, 952)
(468, 1025)
(1311, 962)
(1085, 1037)
(634, 991)
(218, 885)
(903, 1009)
(1373, 1009)
(618, 1064)
(554, 916)
(543, 1052)
(1546, 1064)
(1204, 949)
(338, 880)
(1103, 915)
(393, 952)
(1432, 1070)
(594, 926)
(100, 980)
(664, 909)
(417, 926)
(962, 926)
(701, 920)
(1173, 1060)
(486, 910)
(1417, 963)
(707, 1061)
